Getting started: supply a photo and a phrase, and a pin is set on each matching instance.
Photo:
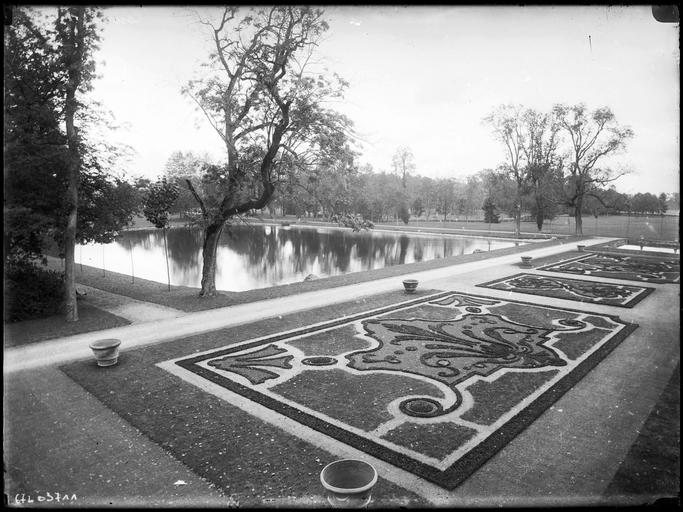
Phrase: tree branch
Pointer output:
(205, 214)
(209, 117)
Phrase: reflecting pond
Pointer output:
(259, 256)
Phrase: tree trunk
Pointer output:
(518, 211)
(212, 235)
(577, 216)
(539, 213)
(70, 304)
(76, 61)
(168, 271)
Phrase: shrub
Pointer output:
(490, 215)
(403, 213)
(31, 292)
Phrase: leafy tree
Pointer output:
(106, 204)
(403, 213)
(539, 145)
(403, 162)
(542, 210)
(615, 202)
(58, 181)
(592, 136)
(33, 137)
(490, 215)
(424, 201)
(261, 95)
(445, 197)
(327, 183)
(158, 203)
(506, 123)
(498, 185)
(644, 203)
(473, 194)
(180, 167)
(662, 203)
(376, 194)
(418, 206)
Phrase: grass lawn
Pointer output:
(618, 226)
(31, 331)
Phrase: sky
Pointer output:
(422, 77)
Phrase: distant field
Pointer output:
(651, 228)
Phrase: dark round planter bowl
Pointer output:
(348, 483)
(410, 285)
(106, 351)
(526, 262)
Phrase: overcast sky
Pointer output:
(422, 77)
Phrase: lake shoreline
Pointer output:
(186, 298)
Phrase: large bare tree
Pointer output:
(506, 122)
(540, 147)
(268, 107)
(403, 162)
(593, 135)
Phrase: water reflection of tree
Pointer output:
(184, 246)
(147, 239)
(418, 251)
(403, 242)
(340, 254)
(272, 254)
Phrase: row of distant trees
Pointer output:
(380, 196)
(555, 162)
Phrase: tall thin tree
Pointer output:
(506, 124)
(540, 145)
(593, 135)
(76, 37)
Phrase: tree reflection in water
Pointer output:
(260, 256)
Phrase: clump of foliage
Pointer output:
(31, 291)
(490, 214)
(403, 213)
(157, 204)
(354, 221)
(158, 201)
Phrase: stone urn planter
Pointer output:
(581, 248)
(410, 285)
(348, 483)
(106, 351)
(526, 262)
